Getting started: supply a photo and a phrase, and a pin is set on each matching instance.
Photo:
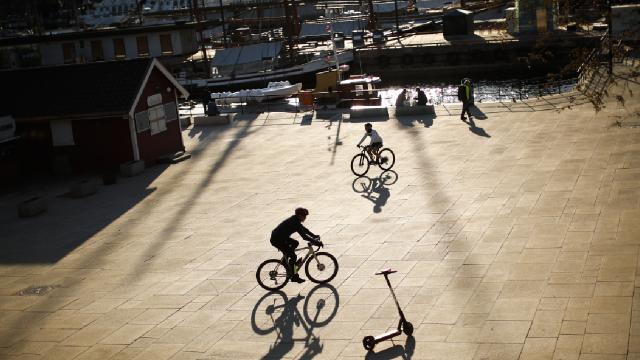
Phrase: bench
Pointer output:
(223, 119)
(358, 112)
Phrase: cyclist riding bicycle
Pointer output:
(375, 144)
(280, 239)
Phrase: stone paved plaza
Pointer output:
(516, 239)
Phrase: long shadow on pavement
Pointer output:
(276, 313)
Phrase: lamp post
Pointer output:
(610, 28)
(397, 23)
(224, 31)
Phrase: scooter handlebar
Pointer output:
(386, 272)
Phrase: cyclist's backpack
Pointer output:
(461, 92)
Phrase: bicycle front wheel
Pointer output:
(386, 159)
(360, 164)
(322, 268)
(272, 274)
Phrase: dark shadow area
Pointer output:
(397, 351)
(244, 130)
(476, 130)
(408, 121)
(330, 115)
(374, 189)
(68, 222)
(275, 312)
(477, 113)
(306, 119)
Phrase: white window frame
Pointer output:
(157, 119)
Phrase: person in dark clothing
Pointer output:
(212, 108)
(402, 97)
(421, 98)
(465, 94)
(280, 239)
(206, 98)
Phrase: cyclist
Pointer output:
(374, 145)
(280, 238)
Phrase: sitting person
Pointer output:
(401, 98)
(421, 99)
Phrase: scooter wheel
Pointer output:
(407, 327)
(369, 342)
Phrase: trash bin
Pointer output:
(378, 36)
(338, 39)
(358, 38)
(306, 97)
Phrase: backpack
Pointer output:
(462, 96)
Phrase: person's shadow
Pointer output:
(474, 129)
(397, 351)
(478, 113)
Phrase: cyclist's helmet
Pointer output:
(302, 211)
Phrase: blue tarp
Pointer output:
(246, 54)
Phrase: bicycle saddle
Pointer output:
(386, 272)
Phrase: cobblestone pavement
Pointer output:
(517, 238)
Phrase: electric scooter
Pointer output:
(403, 325)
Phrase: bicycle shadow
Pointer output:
(397, 351)
(276, 312)
(375, 189)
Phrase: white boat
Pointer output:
(296, 72)
(274, 91)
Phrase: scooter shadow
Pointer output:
(397, 351)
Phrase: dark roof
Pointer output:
(72, 90)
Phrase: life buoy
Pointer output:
(407, 59)
(383, 61)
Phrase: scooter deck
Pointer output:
(386, 336)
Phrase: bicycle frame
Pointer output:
(310, 253)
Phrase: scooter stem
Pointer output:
(386, 277)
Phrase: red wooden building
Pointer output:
(94, 116)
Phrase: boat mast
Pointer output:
(333, 43)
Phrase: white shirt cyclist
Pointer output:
(375, 137)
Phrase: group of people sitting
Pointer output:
(421, 98)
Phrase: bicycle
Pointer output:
(361, 162)
(319, 266)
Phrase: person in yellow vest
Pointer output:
(465, 94)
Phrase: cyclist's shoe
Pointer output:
(297, 279)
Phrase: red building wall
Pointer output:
(170, 141)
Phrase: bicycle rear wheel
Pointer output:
(386, 159)
(360, 164)
(322, 268)
(272, 274)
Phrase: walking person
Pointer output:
(466, 96)
(206, 98)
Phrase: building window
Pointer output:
(96, 50)
(143, 46)
(165, 44)
(69, 53)
(118, 49)
(157, 119)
